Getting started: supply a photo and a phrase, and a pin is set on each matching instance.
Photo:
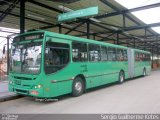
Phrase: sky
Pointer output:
(148, 16)
(3, 40)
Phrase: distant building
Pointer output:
(1, 55)
(3, 63)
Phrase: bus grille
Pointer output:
(24, 78)
(21, 91)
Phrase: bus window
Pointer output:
(125, 55)
(94, 52)
(136, 56)
(56, 56)
(140, 56)
(147, 57)
(111, 54)
(79, 52)
(120, 56)
(104, 56)
(143, 56)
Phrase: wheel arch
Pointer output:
(83, 78)
(144, 69)
(123, 72)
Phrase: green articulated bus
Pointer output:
(45, 64)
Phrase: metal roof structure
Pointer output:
(114, 23)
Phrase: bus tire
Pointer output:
(77, 87)
(121, 77)
(144, 72)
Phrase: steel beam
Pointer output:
(2, 37)
(15, 15)
(108, 39)
(141, 26)
(124, 43)
(103, 39)
(97, 33)
(74, 28)
(44, 6)
(116, 26)
(7, 31)
(46, 27)
(9, 9)
(101, 26)
(83, 33)
(129, 29)
(118, 12)
(88, 29)
(143, 37)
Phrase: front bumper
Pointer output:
(26, 91)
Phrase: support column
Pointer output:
(60, 28)
(8, 59)
(134, 43)
(117, 38)
(88, 30)
(22, 16)
(152, 56)
(145, 39)
(114, 41)
(94, 37)
(124, 21)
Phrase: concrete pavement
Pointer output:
(4, 93)
(141, 95)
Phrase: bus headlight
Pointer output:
(38, 86)
(10, 82)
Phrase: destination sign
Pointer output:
(32, 36)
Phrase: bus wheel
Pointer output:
(121, 77)
(77, 87)
(144, 72)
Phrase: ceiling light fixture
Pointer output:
(65, 9)
(126, 33)
(114, 28)
(36, 17)
(95, 20)
(65, 25)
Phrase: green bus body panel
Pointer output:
(59, 83)
(140, 65)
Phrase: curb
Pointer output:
(10, 97)
(5, 81)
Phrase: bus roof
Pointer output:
(73, 38)
(143, 51)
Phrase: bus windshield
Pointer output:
(26, 58)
